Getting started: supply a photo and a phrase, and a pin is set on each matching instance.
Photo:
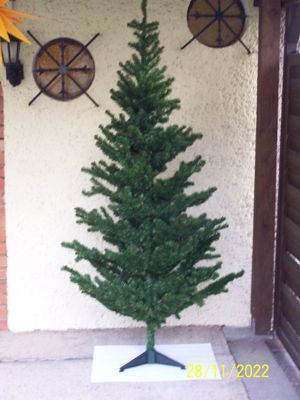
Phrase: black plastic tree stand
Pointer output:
(151, 357)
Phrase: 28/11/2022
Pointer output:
(236, 371)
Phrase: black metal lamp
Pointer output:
(11, 60)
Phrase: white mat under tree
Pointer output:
(108, 360)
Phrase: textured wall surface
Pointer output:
(48, 143)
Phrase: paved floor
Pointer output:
(57, 366)
(284, 381)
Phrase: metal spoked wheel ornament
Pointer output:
(64, 69)
(217, 23)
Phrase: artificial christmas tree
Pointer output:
(152, 268)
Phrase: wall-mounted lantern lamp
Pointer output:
(10, 42)
(11, 59)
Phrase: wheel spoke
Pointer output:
(235, 34)
(43, 70)
(219, 38)
(197, 15)
(229, 27)
(82, 50)
(82, 89)
(62, 52)
(83, 69)
(235, 16)
(210, 5)
(44, 48)
(44, 89)
(63, 80)
(52, 57)
(63, 85)
(199, 33)
(228, 7)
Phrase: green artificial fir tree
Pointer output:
(152, 270)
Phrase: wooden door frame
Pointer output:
(265, 199)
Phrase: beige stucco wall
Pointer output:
(47, 144)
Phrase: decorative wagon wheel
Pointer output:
(217, 23)
(64, 69)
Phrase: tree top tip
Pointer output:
(144, 8)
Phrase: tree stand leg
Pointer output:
(151, 357)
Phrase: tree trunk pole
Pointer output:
(150, 338)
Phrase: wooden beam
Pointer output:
(289, 2)
(265, 168)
